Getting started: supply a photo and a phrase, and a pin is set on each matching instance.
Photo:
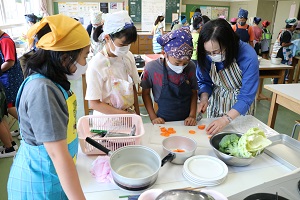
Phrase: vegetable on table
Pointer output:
(201, 127)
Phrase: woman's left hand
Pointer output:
(190, 121)
(217, 126)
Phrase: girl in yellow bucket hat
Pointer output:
(44, 165)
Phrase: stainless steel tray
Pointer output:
(285, 150)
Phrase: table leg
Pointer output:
(260, 85)
(273, 111)
(282, 77)
(297, 72)
(85, 102)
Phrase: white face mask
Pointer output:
(79, 71)
(217, 57)
(119, 51)
(177, 69)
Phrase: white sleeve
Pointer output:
(94, 82)
(132, 68)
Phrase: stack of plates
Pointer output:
(205, 170)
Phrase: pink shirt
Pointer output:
(257, 32)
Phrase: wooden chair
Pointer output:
(294, 129)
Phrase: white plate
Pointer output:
(205, 168)
(202, 183)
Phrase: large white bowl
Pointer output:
(276, 61)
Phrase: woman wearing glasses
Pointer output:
(228, 75)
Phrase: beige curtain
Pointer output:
(43, 5)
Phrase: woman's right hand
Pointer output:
(158, 120)
(202, 105)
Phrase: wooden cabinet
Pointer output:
(143, 44)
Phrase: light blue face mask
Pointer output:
(175, 68)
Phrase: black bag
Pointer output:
(139, 61)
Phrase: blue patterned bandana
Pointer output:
(177, 43)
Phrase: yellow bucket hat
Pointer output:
(66, 34)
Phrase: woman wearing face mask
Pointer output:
(228, 75)
(172, 81)
(112, 74)
(44, 165)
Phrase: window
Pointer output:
(12, 12)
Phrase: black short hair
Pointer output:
(197, 23)
(50, 63)
(97, 33)
(220, 31)
(129, 33)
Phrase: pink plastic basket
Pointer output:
(121, 123)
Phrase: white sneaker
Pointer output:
(15, 133)
(4, 154)
(14, 144)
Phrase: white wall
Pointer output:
(251, 6)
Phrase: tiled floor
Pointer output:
(284, 124)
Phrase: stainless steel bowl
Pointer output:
(229, 160)
(183, 194)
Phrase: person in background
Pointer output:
(285, 40)
(96, 20)
(265, 40)
(172, 80)
(182, 23)
(95, 29)
(228, 75)
(10, 147)
(296, 34)
(233, 21)
(31, 19)
(157, 30)
(197, 25)
(44, 165)
(243, 30)
(196, 14)
(12, 75)
(257, 34)
(112, 75)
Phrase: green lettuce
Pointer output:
(249, 145)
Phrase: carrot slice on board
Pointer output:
(201, 127)
(192, 132)
(209, 136)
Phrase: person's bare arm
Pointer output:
(136, 101)
(65, 168)
(105, 108)
(7, 65)
(148, 103)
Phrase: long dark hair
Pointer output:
(129, 33)
(158, 19)
(52, 64)
(220, 31)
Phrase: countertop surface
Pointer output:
(239, 179)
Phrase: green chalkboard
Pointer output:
(135, 10)
(172, 6)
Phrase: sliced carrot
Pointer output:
(201, 127)
(163, 129)
(178, 150)
(209, 136)
(192, 132)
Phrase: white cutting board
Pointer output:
(200, 136)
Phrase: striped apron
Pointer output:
(227, 85)
(33, 175)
